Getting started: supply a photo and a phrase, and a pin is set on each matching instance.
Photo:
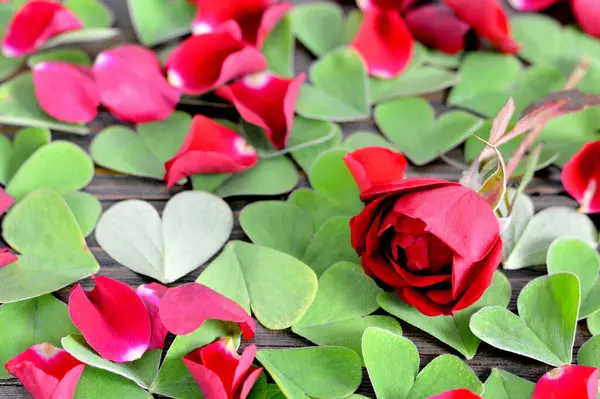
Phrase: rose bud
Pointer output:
(581, 177)
(456, 394)
(371, 166)
(220, 372)
(572, 382)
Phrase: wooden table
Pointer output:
(546, 190)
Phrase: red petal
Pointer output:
(209, 383)
(587, 13)
(423, 303)
(132, 86)
(457, 394)
(250, 381)
(437, 26)
(221, 358)
(6, 201)
(269, 20)
(573, 382)
(371, 166)
(268, 101)
(385, 43)
(185, 308)
(398, 5)
(151, 295)
(112, 318)
(210, 148)
(66, 92)
(202, 63)
(35, 23)
(532, 5)
(581, 177)
(6, 257)
(489, 20)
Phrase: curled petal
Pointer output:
(6, 201)
(35, 23)
(573, 382)
(267, 101)
(437, 26)
(581, 177)
(587, 13)
(185, 308)
(532, 5)
(112, 318)
(132, 86)
(210, 148)
(6, 257)
(204, 62)
(384, 42)
(151, 295)
(371, 166)
(66, 92)
(457, 394)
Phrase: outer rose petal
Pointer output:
(35, 23)
(587, 13)
(66, 92)
(437, 26)
(268, 101)
(532, 5)
(581, 177)
(573, 382)
(6, 257)
(456, 394)
(6, 201)
(185, 308)
(112, 318)
(384, 42)
(210, 148)
(488, 19)
(372, 166)
(151, 295)
(132, 86)
(205, 62)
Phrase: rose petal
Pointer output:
(392, 190)
(532, 5)
(423, 303)
(573, 382)
(6, 257)
(581, 177)
(269, 20)
(66, 92)
(437, 26)
(398, 5)
(132, 86)
(244, 368)
(208, 381)
(210, 148)
(457, 394)
(250, 381)
(587, 13)
(6, 201)
(151, 295)
(185, 308)
(372, 166)
(221, 358)
(268, 101)
(67, 386)
(35, 23)
(384, 42)
(202, 63)
(112, 318)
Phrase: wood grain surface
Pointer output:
(546, 190)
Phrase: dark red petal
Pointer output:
(489, 20)
(35, 23)
(361, 223)
(66, 92)
(185, 308)
(532, 5)
(209, 383)
(6, 257)
(587, 13)
(372, 166)
(151, 295)
(112, 318)
(212, 14)
(384, 42)
(423, 303)
(402, 187)
(441, 296)
(6, 201)
(573, 382)
(269, 20)
(457, 394)
(210, 148)
(437, 26)
(268, 101)
(581, 177)
(204, 62)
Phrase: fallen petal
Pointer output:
(6, 201)
(587, 13)
(151, 295)
(372, 166)
(6, 257)
(581, 177)
(573, 382)
(456, 394)
(437, 26)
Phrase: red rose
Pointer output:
(436, 243)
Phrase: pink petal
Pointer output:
(437, 26)
(269, 20)
(244, 368)
(210, 148)
(6, 257)
(67, 386)
(532, 5)
(66, 92)
(185, 308)
(581, 177)
(573, 382)
(205, 62)
(209, 382)
(6, 201)
(250, 381)
(385, 43)
(151, 295)
(587, 13)
(35, 23)
(132, 86)
(112, 318)
(397, 5)
(268, 101)
(456, 394)
(221, 358)
(372, 166)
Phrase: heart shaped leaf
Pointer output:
(366, 139)
(86, 209)
(545, 328)
(156, 21)
(589, 353)
(309, 130)
(25, 143)
(502, 385)
(278, 48)
(98, 383)
(317, 206)
(194, 226)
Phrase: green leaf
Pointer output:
(97, 383)
(86, 210)
(545, 328)
(340, 90)
(9, 65)
(522, 213)
(340, 312)
(156, 21)
(366, 139)
(309, 130)
(317, 206)
(539, 37)
(411, 125)
(589, 353)
(91, 13)
(194, 227)
(319, 26)
(504, 385)
(444, 373)
(546, 226)
(26, 142)
(593, 323)
(33, 321)
(437, 58)
(82, 36)
(141, 371)
(70, 55)
(452, 330)
(320, 372)
(278, 287)
(164, 138)
(278, 48)
(44, 231)
(260, 388)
